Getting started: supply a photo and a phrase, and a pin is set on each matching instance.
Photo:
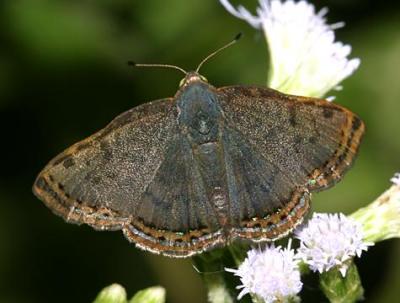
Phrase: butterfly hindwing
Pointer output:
(175, 216)
(261, 196)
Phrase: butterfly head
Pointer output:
(192, 77)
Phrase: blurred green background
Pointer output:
(63, 75)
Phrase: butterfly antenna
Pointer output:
(218, 50)
(133, 64)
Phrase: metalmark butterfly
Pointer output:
(183, 175)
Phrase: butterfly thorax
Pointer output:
(200, 115)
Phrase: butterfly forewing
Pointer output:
(311, 141)
(101, 179)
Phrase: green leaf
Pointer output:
(339, 289)
(114, 293)
(155, 294)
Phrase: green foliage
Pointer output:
(116, 294)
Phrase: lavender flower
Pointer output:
(305, 59)
(271, 274)
(329, 240)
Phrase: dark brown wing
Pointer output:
(311, 140)
(138, 175)
(100, 180)
(264, 203)
(175, 217)
(278, 148)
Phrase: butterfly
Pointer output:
(183, 175)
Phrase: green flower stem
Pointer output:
(339, 289)
(217, 290)
(381, 218)
(210, 267)
(304, 268)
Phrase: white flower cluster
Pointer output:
(305, 59)
(329, 240)
(272, 274)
